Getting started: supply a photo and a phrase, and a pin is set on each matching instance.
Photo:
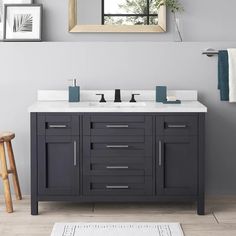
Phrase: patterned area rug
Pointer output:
(117, 229)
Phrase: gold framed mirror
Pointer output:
(140, 16)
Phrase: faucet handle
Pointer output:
(102, 97)
(133, 97)
(117, 95)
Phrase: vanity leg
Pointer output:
(34, 207)
(201, 206)
(34, 165)
(201, 166)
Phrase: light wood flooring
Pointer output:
(220, 219)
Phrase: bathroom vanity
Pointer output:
(90, 154)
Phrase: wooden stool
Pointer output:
(5, 138)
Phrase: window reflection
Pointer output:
(129, 12)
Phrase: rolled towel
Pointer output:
(223, 75)
(232, 74)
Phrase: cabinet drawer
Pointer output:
(117, 185)
(117, 166)
(117, 125)
(118, 146)
(177, 125)
(58, 125)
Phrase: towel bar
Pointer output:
(210, 52)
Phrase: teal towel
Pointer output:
(223, 75)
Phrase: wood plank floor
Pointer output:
(220, 219)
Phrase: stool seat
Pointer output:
(6, 136)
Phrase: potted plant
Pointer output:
(175, 7)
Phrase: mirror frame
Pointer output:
(74, 26)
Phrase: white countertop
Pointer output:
(64, 106)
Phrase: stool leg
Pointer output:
(13, 168)
(6, 185)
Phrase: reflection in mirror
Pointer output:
(129, 12)
(117, 12)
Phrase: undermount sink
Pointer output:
(120, 104)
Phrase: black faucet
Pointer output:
(117, 95)
(102, 97)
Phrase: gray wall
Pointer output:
(203, 20)
(129, 61)
(89, 12)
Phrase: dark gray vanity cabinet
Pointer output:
(117, 157)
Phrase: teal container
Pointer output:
(74, 92)
(161, 93)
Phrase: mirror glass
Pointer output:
(117, 12)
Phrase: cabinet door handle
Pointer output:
(177, 126)
(117, 167)
(57, 126)
(160, 154)
(75, 153)
(117, 146)
(117, 187)
(117, 126)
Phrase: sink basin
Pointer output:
(120, 104)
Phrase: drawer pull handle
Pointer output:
(117, 146)
(75, 153)
(117, 167)
(57, 126)
(177, 126)
(160, 154)
(117, 126)
(116, 187)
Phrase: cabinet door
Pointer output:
(177, 165)
(58, 161)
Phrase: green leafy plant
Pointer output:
(175, 7)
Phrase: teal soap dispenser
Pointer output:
(74, 92)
